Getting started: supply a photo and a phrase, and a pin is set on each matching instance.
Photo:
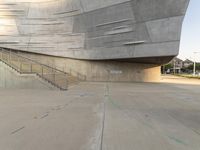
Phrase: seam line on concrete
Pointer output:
(18, 130)
(106, 95)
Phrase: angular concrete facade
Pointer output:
(128, 31)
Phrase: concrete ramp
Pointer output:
(11, 79)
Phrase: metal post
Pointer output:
(42, 70)
(66, 81)
(18, 65)
(31, 68)
(10, 56)
(20, 69)
(194, 68)
(1, 52)
(54, 75)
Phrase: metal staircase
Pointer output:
(23, 65)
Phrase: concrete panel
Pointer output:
(146, 10)
(165, 29)
(161, 49)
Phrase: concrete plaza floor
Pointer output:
(103, 116)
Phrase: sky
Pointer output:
(190, 39)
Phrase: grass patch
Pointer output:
(188, 76)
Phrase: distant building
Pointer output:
(187, 63)
(178, 63)
(174, 66)
(177, 66)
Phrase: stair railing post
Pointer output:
(54, 76)
(10, 56)
(1, 53)
(31, 69)
(20, 62)
(42, 71)
(67, 82)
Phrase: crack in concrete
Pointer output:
(17, 130)
(44, 116)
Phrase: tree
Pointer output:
(191, 67)
(168, 66)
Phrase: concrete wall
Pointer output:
(102, 70)
(93, 29)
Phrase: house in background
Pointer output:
(177, 65)
(174, 66)
(187, 63)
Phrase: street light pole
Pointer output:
(194, 68)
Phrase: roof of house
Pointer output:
(188, 61)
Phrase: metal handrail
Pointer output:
(39, 63)
(25, 65)
(69, 71)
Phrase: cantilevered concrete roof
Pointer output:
(93, 29)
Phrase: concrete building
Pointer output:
(103, 40)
